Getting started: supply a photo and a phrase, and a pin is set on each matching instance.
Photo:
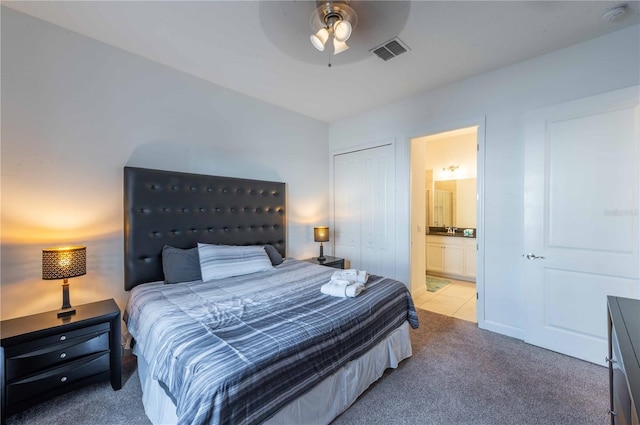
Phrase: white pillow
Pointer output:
(220, 261)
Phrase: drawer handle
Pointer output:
(63, 355)
(609, 360)
(63, 379)
(611, 412)
(63, 337)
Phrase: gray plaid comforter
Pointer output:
(236, 350)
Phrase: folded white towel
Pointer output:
(352, 275)
(354, 290)
(363, 276)
(348, 272)
(342, 288)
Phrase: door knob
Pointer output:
(533, 257)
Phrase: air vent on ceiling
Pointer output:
(390, 49)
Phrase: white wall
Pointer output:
(458, 150)
(501, 97)
(466, 190)
(76, 111)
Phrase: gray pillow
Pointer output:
(180, 265)
(273, 254)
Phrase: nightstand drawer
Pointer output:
(335, 264)
(56, 338)
(56, 377)
(20, 363)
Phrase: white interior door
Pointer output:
(364, 209)
(581, 220)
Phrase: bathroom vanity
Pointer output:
(451, 254)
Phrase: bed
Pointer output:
(258, 345)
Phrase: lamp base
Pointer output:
(321, 258)
(67, 312)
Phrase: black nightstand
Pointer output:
(335, 262)
(42, 356)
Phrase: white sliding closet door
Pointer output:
(364, 209)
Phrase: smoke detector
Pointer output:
(614, 14)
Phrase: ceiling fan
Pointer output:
(333, 19)
(364, 25)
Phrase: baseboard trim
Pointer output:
(502, 329)
(451, 276)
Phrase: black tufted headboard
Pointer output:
(181, 209)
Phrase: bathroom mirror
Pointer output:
(452, 203)
(442, 208)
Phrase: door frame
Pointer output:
(480, 123)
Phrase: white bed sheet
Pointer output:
(321, 404)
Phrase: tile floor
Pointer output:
(457, 299)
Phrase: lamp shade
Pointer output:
(64, 262)
(321, 234)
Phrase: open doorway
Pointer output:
(445, 222)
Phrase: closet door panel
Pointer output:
(364, 209)
(346, 208)
(376, 227)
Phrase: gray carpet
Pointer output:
(96, 404)
(458, 374)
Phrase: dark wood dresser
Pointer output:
(43, 356)
(624, 360)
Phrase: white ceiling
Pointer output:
(262, 48)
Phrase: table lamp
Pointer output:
(63, 263)
(321, 234)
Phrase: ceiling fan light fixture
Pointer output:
(332, 19)
(320, 38)
(342, 30)
(339, 46)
